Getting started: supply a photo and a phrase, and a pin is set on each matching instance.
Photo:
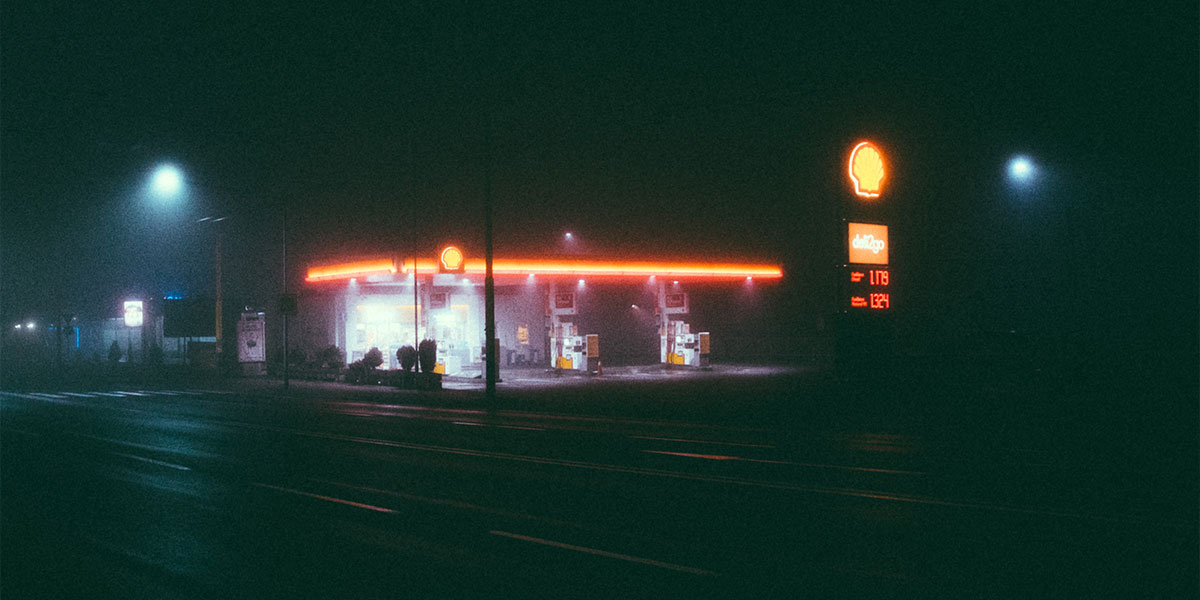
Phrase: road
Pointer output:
(762, 487)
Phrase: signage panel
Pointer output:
(868, 288)
(133, 313)
(867, 244)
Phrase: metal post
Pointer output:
(218, 310)
(286, 362)
(489, 285)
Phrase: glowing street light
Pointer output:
(166, 182)
(1021, 170)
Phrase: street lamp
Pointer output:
(167, 182)
(1021, 170)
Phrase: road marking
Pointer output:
(477, 424)
(663, 439)
(604, 553)
(45, 395)
(21, 431)
(785, 462)
(848, 492)
(155, 462)
(327, 498)
(124, 393)
(455, 504)
(78, 395)
(110, 394)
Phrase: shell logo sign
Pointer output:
(866, 170)
(451, 260)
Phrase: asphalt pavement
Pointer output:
(738, 483)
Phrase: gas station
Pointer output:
(387, 302)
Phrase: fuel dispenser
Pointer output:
(571, 351)
(682, 347)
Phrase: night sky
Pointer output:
(711, 130)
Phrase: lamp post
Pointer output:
(167, 182)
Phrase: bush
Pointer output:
(297, 356)
(407, 356)
(114, 352)
(373, 359)
(427, 353)
(331, 356)
(356, 373)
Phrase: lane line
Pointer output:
(455, 504)
(664, 439)
(154, 462)
(604, 553)
(326, 498)
(848, 492)
(78, 395)
(21, 431)
(785, 462)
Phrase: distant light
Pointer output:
(569, 236)
(676, 282)
(580, 283)
(30, 325)
(134, 312)
(1021, 169)
(17, 326)
(633, 306)
(354, 280)
(167, 181)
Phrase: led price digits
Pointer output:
(879, 277)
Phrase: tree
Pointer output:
(373, 358)
(427, 353)
(407, 355)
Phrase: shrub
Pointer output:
(356, 373)
(373, 359)
(114, 352)
(331, 356)
(427, 354)
(407, 356)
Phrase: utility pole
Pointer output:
(217, 351)
(286, 362)
(489, 284)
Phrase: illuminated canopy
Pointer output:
(360, 268)
(557, 267)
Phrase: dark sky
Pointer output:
(717, 129)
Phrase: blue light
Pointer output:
(167, 181)
(1021, 169)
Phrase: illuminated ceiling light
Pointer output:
(676, 282)
(569, 237)
(580, 283)
(866, 170)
